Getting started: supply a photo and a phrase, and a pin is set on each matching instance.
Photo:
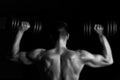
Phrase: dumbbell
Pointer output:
(16, 24)
(111, 28)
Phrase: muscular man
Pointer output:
(61, 60)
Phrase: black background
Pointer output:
(50, 13)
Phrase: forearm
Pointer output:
(16, 45)
(107, 49)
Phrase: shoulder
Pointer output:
(37, 52)
(83, 53)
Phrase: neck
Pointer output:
(61, 44)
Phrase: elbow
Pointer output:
(111, 62)
(107, 63)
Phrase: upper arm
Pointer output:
(37, 53)
(93, 60)
(26, 57)
(22, 57)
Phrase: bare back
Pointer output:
(73, 66)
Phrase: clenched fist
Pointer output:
(24, 26)
(99, 29)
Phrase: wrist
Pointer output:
(101, 35)
(21, 31)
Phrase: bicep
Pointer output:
(93, 60)
(21, 56)
(28, 57)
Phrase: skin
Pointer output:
(73, 61)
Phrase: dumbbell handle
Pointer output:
(19, 24)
